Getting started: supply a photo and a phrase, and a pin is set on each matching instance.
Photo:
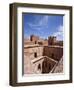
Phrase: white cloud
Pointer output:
(43, 21)
(38, 24)
(59, 33)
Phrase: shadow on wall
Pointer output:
(46, 67)
(43, 58)
(53, 52)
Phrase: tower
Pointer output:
(34, 39)
(51, 40)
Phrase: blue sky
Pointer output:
(43, 25)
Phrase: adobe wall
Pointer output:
(28, 43)
(43, 65)
(33, 49)
(59, 67)
(59, 43)
(35, 66)
(29, 55)
(53, 52)
(46, 51)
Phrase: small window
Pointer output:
(35, 54)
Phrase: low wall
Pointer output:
(43, 65)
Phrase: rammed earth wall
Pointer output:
(34, 52)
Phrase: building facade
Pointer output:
(42, 56)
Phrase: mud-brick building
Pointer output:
(53, 41)
(34, 39)
(42, 55)
(41, 59)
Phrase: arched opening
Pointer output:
(39, 67)
(35, 54)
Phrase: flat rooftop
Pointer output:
(37, 45)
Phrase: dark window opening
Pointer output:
(44, 66)
(35, 42)
(35, 54)
(39, 66)
(31, 38)
(49, 66)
